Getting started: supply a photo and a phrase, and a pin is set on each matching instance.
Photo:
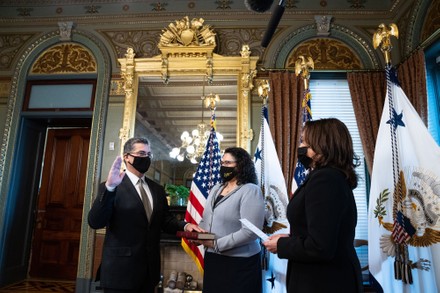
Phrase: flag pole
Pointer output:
(263, 92)
(273, 188)
(402, 264)
(201, 185)
(382, 39)
(303, 67)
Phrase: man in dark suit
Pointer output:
(134, 210)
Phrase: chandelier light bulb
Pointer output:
(184, 135)
(174, 152)
(194, 142)
(190, 149)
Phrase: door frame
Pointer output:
(24, 207)
(13, 121)
(59, 127)
(20, 206)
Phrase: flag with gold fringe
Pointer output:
(273, 185)
(404, 208)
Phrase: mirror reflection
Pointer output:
(174, 116)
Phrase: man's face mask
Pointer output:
(141, 164)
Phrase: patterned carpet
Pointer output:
(40, 286)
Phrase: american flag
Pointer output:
(403, 230)
(207, 175)
(300, 172)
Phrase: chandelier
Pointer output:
(194, 143)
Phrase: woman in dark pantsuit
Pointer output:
(322, 215)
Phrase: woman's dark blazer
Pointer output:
(131, 250)
(322, 215)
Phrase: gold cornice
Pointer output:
(190, 61)
(218, 16)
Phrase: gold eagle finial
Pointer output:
(382, 38)
(303, 66)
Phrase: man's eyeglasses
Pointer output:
(227, 162)
(142, 154)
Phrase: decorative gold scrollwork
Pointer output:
(65, 58)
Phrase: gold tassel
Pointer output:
(408, 272)
(397, 264)
(397, 272)
(264, 258)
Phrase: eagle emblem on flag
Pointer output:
(417, 212)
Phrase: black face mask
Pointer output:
(227, 173)
(141, 164)
(302, 157)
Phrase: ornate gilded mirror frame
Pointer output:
(187, 50)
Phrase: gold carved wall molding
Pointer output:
(186, 49)
(144, 42)
(5, 87)
(11, 44)
(432, 21)
(65, 58)
(327, 54)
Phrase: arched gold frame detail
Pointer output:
(178, 59)
(327, 54)
(63, 59)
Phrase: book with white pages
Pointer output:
(254, 229)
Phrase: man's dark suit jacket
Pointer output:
(322, 216)
(131, 250)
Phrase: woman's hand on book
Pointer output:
(192, 227)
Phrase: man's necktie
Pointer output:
(145, 200)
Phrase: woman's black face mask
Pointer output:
(227, 173)
(302, 157)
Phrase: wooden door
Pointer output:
(55, 247)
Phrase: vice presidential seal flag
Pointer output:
(404, 209)
(207, 175)
(271, 180)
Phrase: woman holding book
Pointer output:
(232, 259)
